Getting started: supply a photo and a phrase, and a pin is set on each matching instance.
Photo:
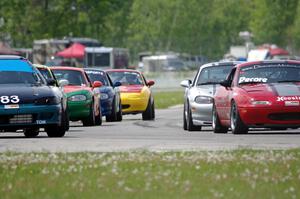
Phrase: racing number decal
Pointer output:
(9, 99)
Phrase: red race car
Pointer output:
(263, 94)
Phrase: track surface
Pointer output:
(163, 134)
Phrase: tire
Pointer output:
(31, 132)
(189, 121)
(113, 115)
(153, 111)
(90, 120)
(59, 130)
(119, 114)
(184, 117)
(216, 124)
(236, 124)
(98, 119)
(67, 121)
(147, 114)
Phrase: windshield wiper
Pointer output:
(282, 81)
(252, 83)
(207, 83)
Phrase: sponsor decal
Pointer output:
(287, 98)
(11, 106)
(41, 121)
(253, 79)
(95, 72)
(291, 103)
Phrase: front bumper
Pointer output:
(30, 115)
(79, 109)
(134, 102)
(201, 113)
(270, 116)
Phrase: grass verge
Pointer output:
(231, 174)
(165, 99)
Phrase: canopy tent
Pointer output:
(5, 50)
(278, 51)
(76, 50)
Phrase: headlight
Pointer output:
(76, 98)
(103, 96)
(261, 103)
(47, 100)
(203, 100)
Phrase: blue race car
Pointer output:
(28, 102)
(110, 100)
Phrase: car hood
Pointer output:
(27, 94)
(131, 88)
(205, 90)
(70, 89)
(275, 91)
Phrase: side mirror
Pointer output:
(186, 83)
(97, 84)
(150, 83)
(117, 84)
(63, 82)
(51, 82)
(225, 83)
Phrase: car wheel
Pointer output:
(153, 111)
(90, 120)
(31, 132)
(57, 130)
(216, 124)
(119, 114)
(147, 114)
(98, 119)
(236, 124)
(67, 120)
(184, 117)
(189, 121)
(113, 116)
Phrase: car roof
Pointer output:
(221, 63)
(95, 69)
(122, 70)
(66, 68)
(11, 57)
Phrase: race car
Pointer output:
(83, 100)
(198, 95)
(110, 99)
(27, 101)
(263, 94)
(136, 95)
(58, 87)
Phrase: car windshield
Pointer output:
(269, 73)
(46, 74)
(74, 77)
(126, 78)
(97, 76)
(19, 77)
(213, 74)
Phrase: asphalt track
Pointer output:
(163, 134)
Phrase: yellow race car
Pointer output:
(136, 95)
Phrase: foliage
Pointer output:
(165, 99)
(199, 27)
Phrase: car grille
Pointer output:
(16, 119)
(284, 116)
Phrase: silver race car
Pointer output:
(198, 97)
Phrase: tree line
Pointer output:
(199, 27)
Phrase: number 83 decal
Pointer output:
(9, 99)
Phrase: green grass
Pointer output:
(231, 174)
(165, 99)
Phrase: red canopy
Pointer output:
(278, 51)
(76, 50)
(5, 50)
